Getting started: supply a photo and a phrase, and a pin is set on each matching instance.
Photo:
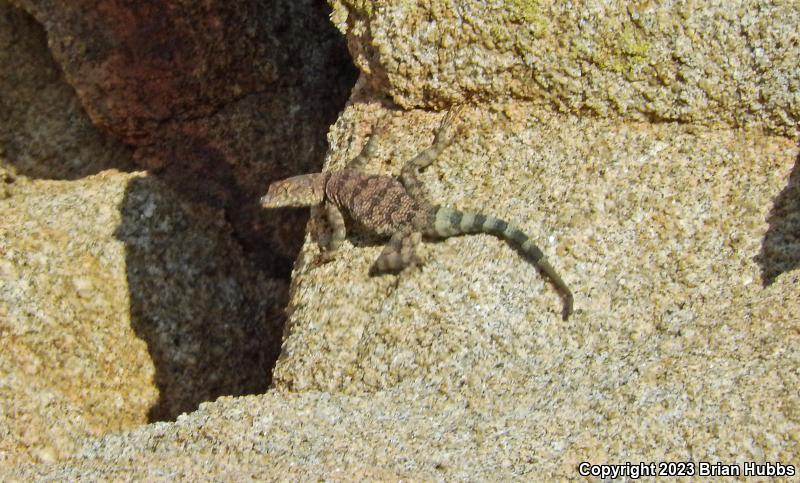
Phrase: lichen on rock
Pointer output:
(720, 65)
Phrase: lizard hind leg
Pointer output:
(398, 254)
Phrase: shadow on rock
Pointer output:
(44, 130)
(215, 100)
(780, 249)
(212, 322)
(194, 86)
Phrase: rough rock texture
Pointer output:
(678, 240)
(208, 316)
(71, 365)
(136, 65)
(655, 228)
(464, 370)
(44, 130)
(119, 304)
(712, 63)
(217, 97)
(780, 251)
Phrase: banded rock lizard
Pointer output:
(398, 209)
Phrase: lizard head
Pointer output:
(303, 190)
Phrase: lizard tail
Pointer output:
(448, 222)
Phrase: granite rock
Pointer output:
(464, 370)
(120, 304)
(713, 63)
(677, 239)
(218, 98)
(44, 130)
(646, 223)
(676, 406)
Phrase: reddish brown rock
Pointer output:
(136, 65)
(44, 130)
(217, 98)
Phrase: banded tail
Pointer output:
(449, 223)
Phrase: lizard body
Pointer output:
(399, 209)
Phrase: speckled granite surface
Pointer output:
(651, 225)
(119, 304)
(464, 369)
(666, 398)
(732, 63)
(69, 352)
(679, 241)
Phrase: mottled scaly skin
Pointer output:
(399, 209)
(379, 204)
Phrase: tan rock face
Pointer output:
(732, 63)
(71, 362)
(651, 225)
(119, 304)
(127, 299)
(464, 369)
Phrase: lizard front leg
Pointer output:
(398, 254)
(338, 231)
(442, 139)
(367, 152)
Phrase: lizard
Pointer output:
(399, 209)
